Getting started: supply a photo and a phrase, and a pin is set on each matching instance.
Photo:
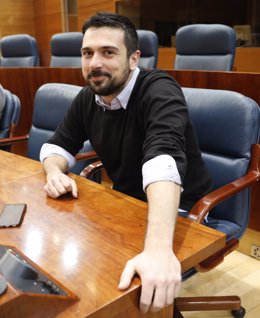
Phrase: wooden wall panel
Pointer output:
(48, 21)
(247, 59)
(50, 15)
(166, 57)
(16, 16)
(90, 7)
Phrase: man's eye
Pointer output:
(107, 52)
(87, 53)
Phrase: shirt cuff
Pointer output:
(160, 168)
(49, 150)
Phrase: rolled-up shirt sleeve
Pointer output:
(49, 150)
(160, 168)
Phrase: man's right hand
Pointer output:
(59, 184)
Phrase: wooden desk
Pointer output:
(84, 243)
(24, 82)
(246, 58)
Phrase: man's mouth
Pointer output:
(98, 76)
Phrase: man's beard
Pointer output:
(113, 87)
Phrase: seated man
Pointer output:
(138, 123)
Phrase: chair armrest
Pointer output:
(11, 140)
(91, 168)
(86, 155)
(209, 201)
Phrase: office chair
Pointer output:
(19, 50)
(10, 117)
(227, 125)
(51, 103)
(148, 45)
(205, 47)
(66, 49)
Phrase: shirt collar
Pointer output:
(121, 100)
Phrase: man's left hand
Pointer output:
(160, 273)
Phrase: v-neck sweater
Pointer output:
(155, 122)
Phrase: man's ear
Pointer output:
(134, 59)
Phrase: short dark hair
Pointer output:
(117, 21)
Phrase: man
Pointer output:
(137, 121)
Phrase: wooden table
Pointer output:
(84, 243)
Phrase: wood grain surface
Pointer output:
(84, 243)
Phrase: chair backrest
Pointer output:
(19, 50)
(66, 49)
(148, 45)
(227, 124)
(205, 47)
(51, 103)
(10, 114)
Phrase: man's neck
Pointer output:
(108, 99)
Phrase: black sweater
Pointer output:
(155, 122)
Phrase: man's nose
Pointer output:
(96, 61)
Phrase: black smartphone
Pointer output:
(12, 215)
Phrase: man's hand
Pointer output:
(60, 184)
(160, 273)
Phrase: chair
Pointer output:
(19, 50)
(51, 102)
(148, 45)
(205, 47)
(10, 117)
(66, 49)
(227, 125)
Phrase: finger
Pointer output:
(177, 288)
(127, 275)
(159, 300)
(74, 189)
(51, 191)
(61, 186)
(147, 294)
(170, 294)
(64, 184)
(69, 185)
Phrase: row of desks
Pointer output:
(25, 81)
(83, 245)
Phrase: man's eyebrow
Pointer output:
(105, 47)
(85, 48)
